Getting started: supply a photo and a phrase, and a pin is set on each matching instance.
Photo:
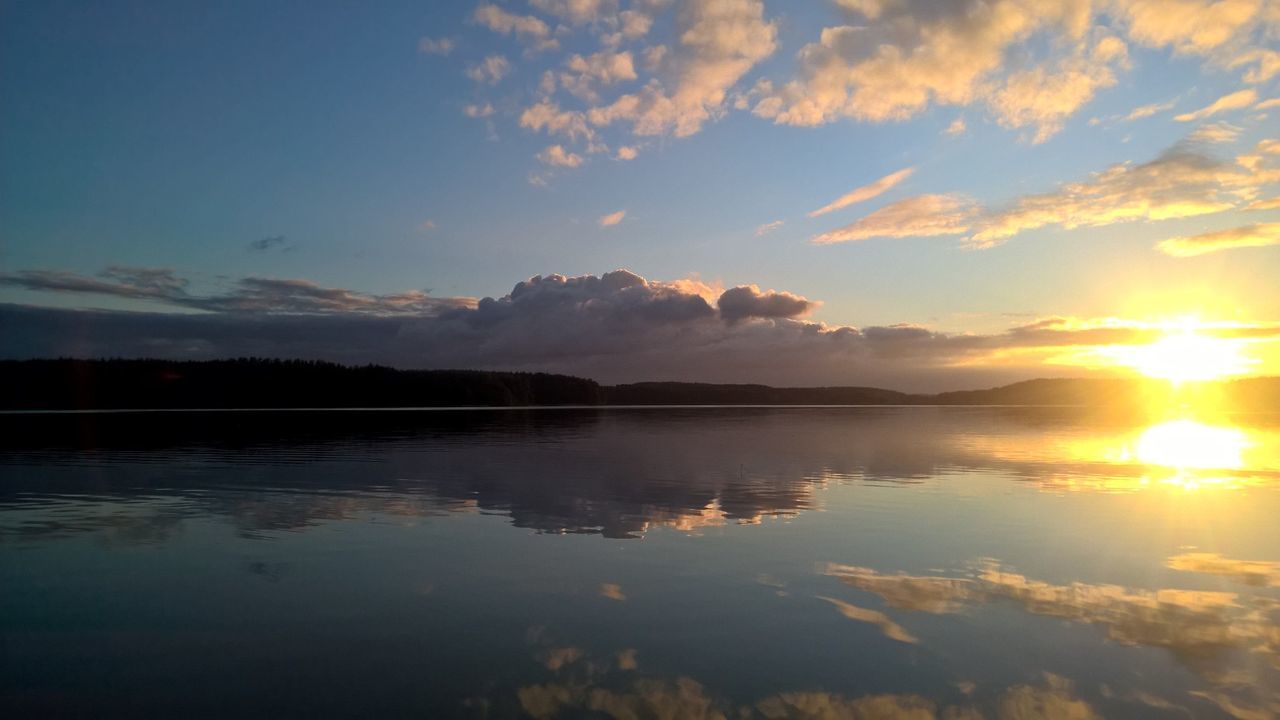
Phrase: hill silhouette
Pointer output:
(68, 384)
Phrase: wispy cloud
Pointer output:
(768, 227)
(612, 218)
(436, 46)
(1249, 236)
(1233, 101)
(268, 243)
(866, 192)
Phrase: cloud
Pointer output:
(746, 301)
(911, 54)
(891, 629)
(436, 46)
(598, 69)
(1043, 98)
(1233, 101)
(1214, 133)
(556, 156)
(1268, 104)
(612, 591)
(1259, 235)
(1146, 111)
(627, 152)
(1189, 26)
(918, 216)
(956, 128)
(616, 327)
(526, 27)
(1255, 573)
(249, 295)
(478, 111)
(720, 41)
(427, 225)
(491, 70)
(577, 12)
(612, 218)
(547, 115)
(768, 227)
(866, 192)
(267, 243)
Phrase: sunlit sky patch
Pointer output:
(963, 168)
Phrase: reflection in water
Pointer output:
(393, 562)
(595, 689)
(1230, 639)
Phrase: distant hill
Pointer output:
(677, 393)
(257, 383)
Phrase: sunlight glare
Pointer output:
(1186, 356)
(1187, 444)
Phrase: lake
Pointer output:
(872, 562)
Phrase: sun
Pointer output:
(1185, 355)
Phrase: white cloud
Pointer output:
(1181, 182)
(612, 218)
(557, 156)
(577, 12)
(627, 152)
(526, 27)
(490, 71)
(1249, 236)
(866, 192)
(1233, 101)
(720, 41)
(956, 128)
(1146, 111)
(768, 227)
(918, 216)
(547, 115)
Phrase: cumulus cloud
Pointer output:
(866, 192)
(918, 216)
(747, 301)
(1189, 26)
(612, 218)
(526, 27)
(911, 54)
(719, 42)
(491, 70)
(557, 156)
(616, 327)
(1233, 101)
(1259, 235)
(547, 115)
(598, 69)
(628, 152)
(577, 12)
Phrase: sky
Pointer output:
(922, 195)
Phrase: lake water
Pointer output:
(641, 563)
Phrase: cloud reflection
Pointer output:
(1230, 639)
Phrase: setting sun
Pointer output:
(1185, 355)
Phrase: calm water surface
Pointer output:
(655, 563)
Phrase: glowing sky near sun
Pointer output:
(952, 182)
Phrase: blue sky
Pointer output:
(174, 135)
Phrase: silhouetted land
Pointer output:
(257, 383)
